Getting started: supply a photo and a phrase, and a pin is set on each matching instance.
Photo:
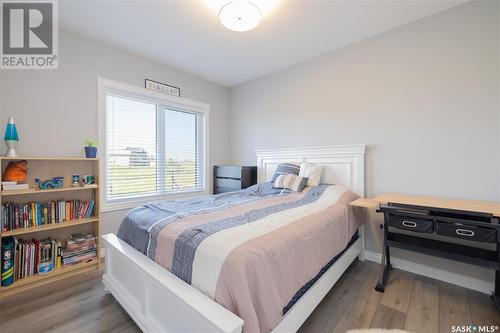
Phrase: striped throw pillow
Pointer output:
(291, 182)
(285, 169)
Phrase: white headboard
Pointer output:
(343, 165)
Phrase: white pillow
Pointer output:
(312, 172)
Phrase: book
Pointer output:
(14, 215)
(36, 257)
(15, 187)
(9, 183)
(79, 258)
(79, 248)
(70, 254)
(42, 256)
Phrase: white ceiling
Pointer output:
(188, 35)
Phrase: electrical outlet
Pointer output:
(102, 253)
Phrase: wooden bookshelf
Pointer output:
(38, 280)
(45, 168)
(46, 227)
(33, 190)
(19, 158)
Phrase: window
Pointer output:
(153, 145)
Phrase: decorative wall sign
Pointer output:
(162, 87)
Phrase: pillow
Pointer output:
(291, 182)
(285, 169)
(312, 172)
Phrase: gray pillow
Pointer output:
(285, 169)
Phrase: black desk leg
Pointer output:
(386, 263)
(387, 255)
(496, 293)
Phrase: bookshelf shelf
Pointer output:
(37, 280)
(46, 227)
(52, 190)
(45, 168)
(48, 158)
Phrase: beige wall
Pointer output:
(56, 110)
(423, 97)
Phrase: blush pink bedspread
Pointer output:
(250, 250)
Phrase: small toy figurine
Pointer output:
(76, 180)
(88, 180)
(56, 182)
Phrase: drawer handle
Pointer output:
(409, 224)
(465, 232)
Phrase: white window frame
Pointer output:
(105, 86)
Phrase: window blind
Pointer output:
(151, 149)
(182, 167)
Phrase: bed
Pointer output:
(256, 260)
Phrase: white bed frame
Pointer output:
(159, 301)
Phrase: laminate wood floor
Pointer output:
(411, 302)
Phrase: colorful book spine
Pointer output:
(14, 216)
(31, 257)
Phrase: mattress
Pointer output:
(253, 250)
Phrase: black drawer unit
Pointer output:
(465, 231)
(427, 224)
(410, 223)
(229, 178)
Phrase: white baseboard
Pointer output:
(483, 286)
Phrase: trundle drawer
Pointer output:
(411, 223)
(469, 232)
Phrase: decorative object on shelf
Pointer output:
(79, 237)
(76, 180)
(16, 171)
(8, 249)
(162, 87)
(90, 148)
(11, 138)
(88, 180)
(56, 182)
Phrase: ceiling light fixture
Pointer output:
(240, 16)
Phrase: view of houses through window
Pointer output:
(150, 149)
